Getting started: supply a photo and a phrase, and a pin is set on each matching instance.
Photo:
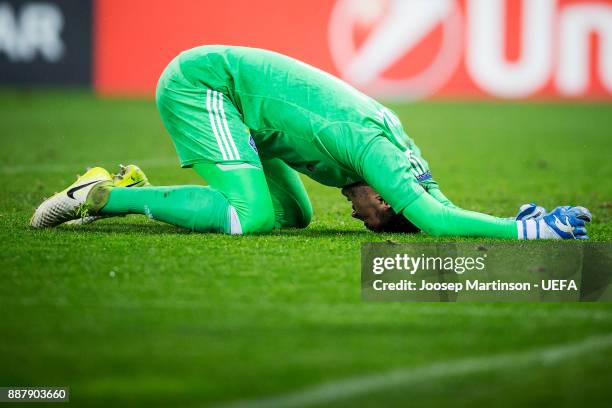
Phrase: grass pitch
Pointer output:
(142, 313)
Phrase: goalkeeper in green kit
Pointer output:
(248, 120)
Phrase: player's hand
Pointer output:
(565, 223)
(530, 211)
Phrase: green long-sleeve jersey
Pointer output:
(316, 123)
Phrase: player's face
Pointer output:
(369, 207)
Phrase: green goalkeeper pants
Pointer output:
(244, 194)
(240, 199)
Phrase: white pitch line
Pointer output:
(363, 385)
(483, 311)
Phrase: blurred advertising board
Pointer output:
(45, 42)
(392, 49)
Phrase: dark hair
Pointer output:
(396, 223)
(399, 223)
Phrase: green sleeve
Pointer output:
(388, 170)
(429, 184)
(434, 218)
(434, 190)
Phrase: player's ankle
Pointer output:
(98, 197)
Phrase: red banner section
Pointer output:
(399, 49)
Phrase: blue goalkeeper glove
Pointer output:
(561, 223)
(530, 211)
(569, 222)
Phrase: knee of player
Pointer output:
(306, 216)
(256, 218)
(257, 222)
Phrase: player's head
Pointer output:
(376, 214)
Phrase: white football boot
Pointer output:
(85, 196)
(128, 176)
